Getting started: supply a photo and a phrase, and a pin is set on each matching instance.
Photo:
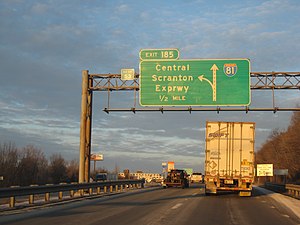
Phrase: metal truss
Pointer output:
(275, 80)
(259, 81)
(113, 82)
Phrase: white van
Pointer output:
(196, 178)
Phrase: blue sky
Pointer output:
(44, 46)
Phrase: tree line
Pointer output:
(282, 149)
(27, 166)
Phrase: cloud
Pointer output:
(39, 8)
(123, 8)
(44, 46)
(269, 8)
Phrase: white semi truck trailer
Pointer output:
(229, 160)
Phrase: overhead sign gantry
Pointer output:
(216, 82)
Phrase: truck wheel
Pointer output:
(187, 185)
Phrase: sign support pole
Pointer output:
(85, 128)
(82, 146)
(88, 130)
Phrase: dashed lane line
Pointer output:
(177, 206)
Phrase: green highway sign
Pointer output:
(203, 82)
(159, 54)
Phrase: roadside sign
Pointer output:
(127, 74)
(200, 82)
(264, 170)
(159, 54)
(189, 171)
(281, 172)
(171, 166)
(96, 157)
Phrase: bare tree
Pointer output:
(32, 167)
(29, 166)
(282, 149)
(73, 170)
(58, 169)
(8, 164)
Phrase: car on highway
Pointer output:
(176, 178)
(196, 178)
(101, 177)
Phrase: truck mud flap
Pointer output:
(209, 191)
(210, 188)
(245, 193)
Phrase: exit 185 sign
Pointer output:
(159, 54)
(203, 82)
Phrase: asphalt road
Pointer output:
(172, 206)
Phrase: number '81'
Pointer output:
(230, 70)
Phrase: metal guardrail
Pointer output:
(82, 188)
(290, 189)
(275, 187)
(293, 190)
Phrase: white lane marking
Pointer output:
(194, 194)
(176, 206)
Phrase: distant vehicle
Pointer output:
(101, 177)
(229, 159)
(196, 178)
(176, 178)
